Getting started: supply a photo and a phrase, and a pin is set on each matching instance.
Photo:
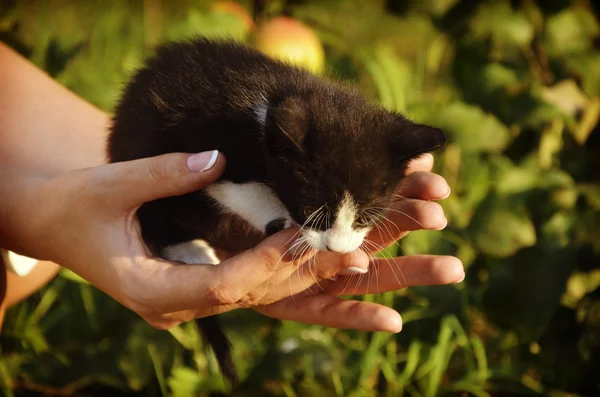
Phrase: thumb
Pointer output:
(135, 182)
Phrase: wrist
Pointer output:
(20, 210)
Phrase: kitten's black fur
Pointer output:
(317, 141)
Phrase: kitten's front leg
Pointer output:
(195, 252)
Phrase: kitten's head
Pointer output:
(335, 161)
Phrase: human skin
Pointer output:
(63, 204)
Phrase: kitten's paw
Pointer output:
(195, 252)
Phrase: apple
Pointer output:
(291, 41)
(233, 8)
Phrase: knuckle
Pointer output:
(93, 187)
(322, 272)
(159, 169)
(354, 311)
(268, 256)
(250, 300)
(222, 295)
(164, 167)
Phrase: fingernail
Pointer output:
(200, 162)
(352, 270)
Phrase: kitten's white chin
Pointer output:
(342, 236)
(332, 240)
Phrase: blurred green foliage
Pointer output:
(516, 85)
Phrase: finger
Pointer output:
(404, 216)
(316, 271)
(170, 287)
(332, 311)
(133, 183)
(424, 186)
(391, 274)
(422, 163)
(252, 269)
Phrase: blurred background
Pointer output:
(515, 84)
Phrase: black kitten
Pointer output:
(299, 150)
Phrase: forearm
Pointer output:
(44, 128)
(42, 124)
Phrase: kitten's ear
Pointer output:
(285, 128)
(409, 140)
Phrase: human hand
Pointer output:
(86, 222)
(413, 210)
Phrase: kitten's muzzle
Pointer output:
(334, 241)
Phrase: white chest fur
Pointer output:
(253, 201)
(258, 205)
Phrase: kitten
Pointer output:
(295, 145)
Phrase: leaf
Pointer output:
(578, 285)
(69, 275)
(158, 369)
(398, 76)
(589, 121)
(557, 231)
(422, 242)
(433, 7)
(565, 198)
(550, 143)
(566, 96)
(440, 357)
(501, 227)
(517, 180)
(498, 21)
(391, 75)
(412, 362)
(591, 192)
(471, 188)
(571, 31)
(472, 129)
(145, 353)
(524, 291)
(495, 76)
(184, 382)
(216, 25)
(587, 67)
